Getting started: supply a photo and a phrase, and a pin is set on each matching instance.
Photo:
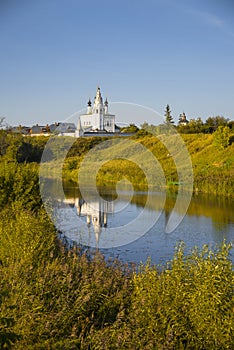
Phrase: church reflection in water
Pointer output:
(95, 211)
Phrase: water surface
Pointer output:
(115, 224)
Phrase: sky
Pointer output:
(54, 54)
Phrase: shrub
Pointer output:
(187, 306)
(222, 136)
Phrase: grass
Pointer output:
(52, 298)
(213, 168)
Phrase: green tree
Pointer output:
(2, 122)
(195, 126)
(150, 128)
(168, 116)
(212, 123)
(222, 137)
(4, 142)
(130, 128)
(16, 141)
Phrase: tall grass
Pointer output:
(52, 298)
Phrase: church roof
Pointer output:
(98, 97)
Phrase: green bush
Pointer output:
(19, 183)
(222, 137)
(188, 305)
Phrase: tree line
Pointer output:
(192, 126)
(196, 125)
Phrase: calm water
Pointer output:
(134, 227)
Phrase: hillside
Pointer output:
(213, 167)
(143, 159)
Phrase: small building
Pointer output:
(40, 130)
(53, 127)
(97, 118)
(23, 130)
(65, 129)
(182, 119)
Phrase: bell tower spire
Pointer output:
(98, 99)
(98, 108)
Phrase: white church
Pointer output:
(97, 118)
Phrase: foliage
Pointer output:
(15, 147)
(212, 123)
(3, 142)
(213, 169)
(31, 149)
(193, 127)
(168, 116)
(19, 183)
(188, 305)
(52, 298)
(1, 121)
(148, 129)
(59, 296)
(222, 137)
(131, 128)
(198, 126)
(82, 145)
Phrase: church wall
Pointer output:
(89, 121)
(109, 123)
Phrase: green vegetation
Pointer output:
(212, 158)
(168, 116)
(222, 137)
(132, 128)
(194, 126)
(55, 298)
(213, 167)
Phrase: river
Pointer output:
(133, 226)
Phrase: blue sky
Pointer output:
(54, 53)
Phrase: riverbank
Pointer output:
(213, 168)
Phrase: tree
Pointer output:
(149, 128)
(222, 137)
(130, 128)
(212, 123)
(196, 126)
(169, 118)
(2, 122)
